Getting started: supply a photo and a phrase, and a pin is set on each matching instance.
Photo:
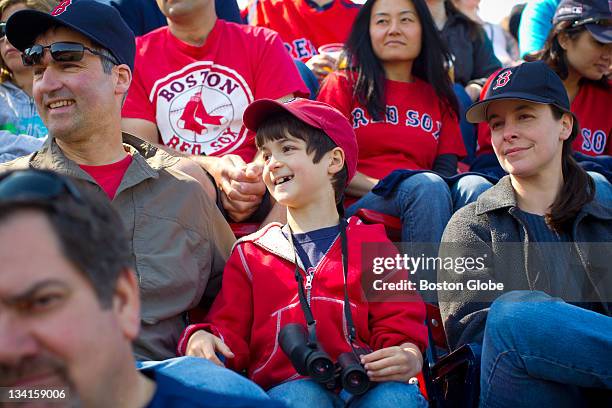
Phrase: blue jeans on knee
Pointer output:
(305, 393)
(422, 202)
(390, 395)
(539, 351)
(467, 189)
(200, 373)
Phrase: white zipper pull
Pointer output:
(309, 281)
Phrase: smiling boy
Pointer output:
(310, 155)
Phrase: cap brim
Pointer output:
(602, 33)
(478, 112)
(23, 27)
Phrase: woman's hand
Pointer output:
(206, 345)
(360, 185)
(399, 363)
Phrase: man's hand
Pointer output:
(399, 363)
(241, 185)
(321, 65)
(206, 345)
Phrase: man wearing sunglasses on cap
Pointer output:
(61, 297)
(82, 56)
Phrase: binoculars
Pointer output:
(310, 360)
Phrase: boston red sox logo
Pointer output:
(61, 7)
(199, 108)
(502, 79)
(195, 117)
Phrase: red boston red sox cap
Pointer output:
(316, 114)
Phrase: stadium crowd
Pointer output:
(192, 197)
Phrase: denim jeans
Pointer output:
(202, 374)
(539, 351)
(424, 204)
(305, 393)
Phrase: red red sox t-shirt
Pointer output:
(416, 128)
(197, 95)
(592, 108)
(304, 26)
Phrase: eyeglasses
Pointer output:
(2, 30)
(35, 186)
(61, 52)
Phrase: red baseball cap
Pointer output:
(316, 114)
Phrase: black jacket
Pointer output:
(474, 56)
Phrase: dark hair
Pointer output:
(91, 235)
(278, 126)
(515, 19)
(578, 187)
(556, 57)
(429, 66)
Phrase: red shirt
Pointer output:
(197, 95)
(109, 176)
(416, 128)
(592, 108)
(304, 26)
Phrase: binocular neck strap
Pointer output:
(352, 332)
(311, 322)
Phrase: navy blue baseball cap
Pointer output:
(530, 81)
(595, 15)
(101, 23)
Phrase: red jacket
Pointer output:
(259, 297)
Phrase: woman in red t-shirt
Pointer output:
(399, 98)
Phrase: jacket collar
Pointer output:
(502, 195)
(273, 238)
(147, 160)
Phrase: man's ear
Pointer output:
(124, 79)
(336, 160)
(126, 304)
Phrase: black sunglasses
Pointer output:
(61, 52)
(2, 30)
(36, 185)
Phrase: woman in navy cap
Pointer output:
(538, 233)
(579, 50)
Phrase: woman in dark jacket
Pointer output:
(538, 232)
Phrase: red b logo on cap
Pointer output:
(502, 79)
(61, 7)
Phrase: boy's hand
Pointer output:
(399, 363)
(205, 344)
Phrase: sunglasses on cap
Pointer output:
(36, 186)
(2, 30)
(593, 20)
(60, 52)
